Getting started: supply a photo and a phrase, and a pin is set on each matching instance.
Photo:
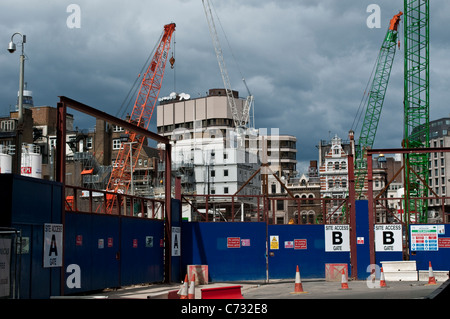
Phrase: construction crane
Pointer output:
(375, 102)
(240, 119)
(127, 156)
(416, 105)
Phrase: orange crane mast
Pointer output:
(127, 156)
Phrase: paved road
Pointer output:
(283, 289)
(332, 290)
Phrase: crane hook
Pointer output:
(172, 61)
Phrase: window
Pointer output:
(118, 128)
(280, 204)
(330, 183)
(225, 190)
(273, 188)
(8, 125)
(213, 173)
(117, 144)
(225, 172)
(89, 142)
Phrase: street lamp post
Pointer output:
(12, 49)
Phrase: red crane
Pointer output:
(141, 115)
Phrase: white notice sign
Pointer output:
(337, 238)
(176, 241)
(388, 237)
(5, 272)
(53, 245)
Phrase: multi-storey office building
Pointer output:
(209, 154)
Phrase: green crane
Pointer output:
(375, 102)
(416, 105)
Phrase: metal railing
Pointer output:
(83, 200)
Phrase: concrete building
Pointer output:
(439, 169)
(209, 155)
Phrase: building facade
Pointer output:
(209, 155)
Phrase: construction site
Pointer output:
(207, 197)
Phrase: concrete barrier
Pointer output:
(440, 276)
(404, 270)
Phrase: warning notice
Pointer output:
(233, 242)
(337, 238)
(444, 242)
(274, 242)
(300, 244)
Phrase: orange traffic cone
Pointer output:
(298, 283)
(183, 292)
(191, 294)
(344, 282)
(431, 279)
(382, 280)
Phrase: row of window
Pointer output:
(337, 165)
(140, 163)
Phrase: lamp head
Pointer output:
(11, 47)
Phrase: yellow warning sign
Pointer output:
(274, 242)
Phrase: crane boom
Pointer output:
(417, 103)
(237, 118)
(375, 101)
(141, 115)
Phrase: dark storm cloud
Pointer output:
(306, 62)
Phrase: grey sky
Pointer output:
(306, 62)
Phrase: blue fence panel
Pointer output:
(142, 254)
(93, 244)
(27, 204)
(438, 256)
(309, 255)
(78, 251)
(232, 251)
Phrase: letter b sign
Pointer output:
(337, 238)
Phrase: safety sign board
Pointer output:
(300, 244)
(388, 237)
(337, 238)
(424, 237)
(444, 242)
(289, 244)
(233, 242)
(53, 245)
(274, 242)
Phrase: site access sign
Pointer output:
(337, 238)
(53, 245)
(388, 237)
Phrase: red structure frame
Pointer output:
(62, 106)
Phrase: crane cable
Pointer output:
(132, 92)
(363, 103)
(226, 39)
